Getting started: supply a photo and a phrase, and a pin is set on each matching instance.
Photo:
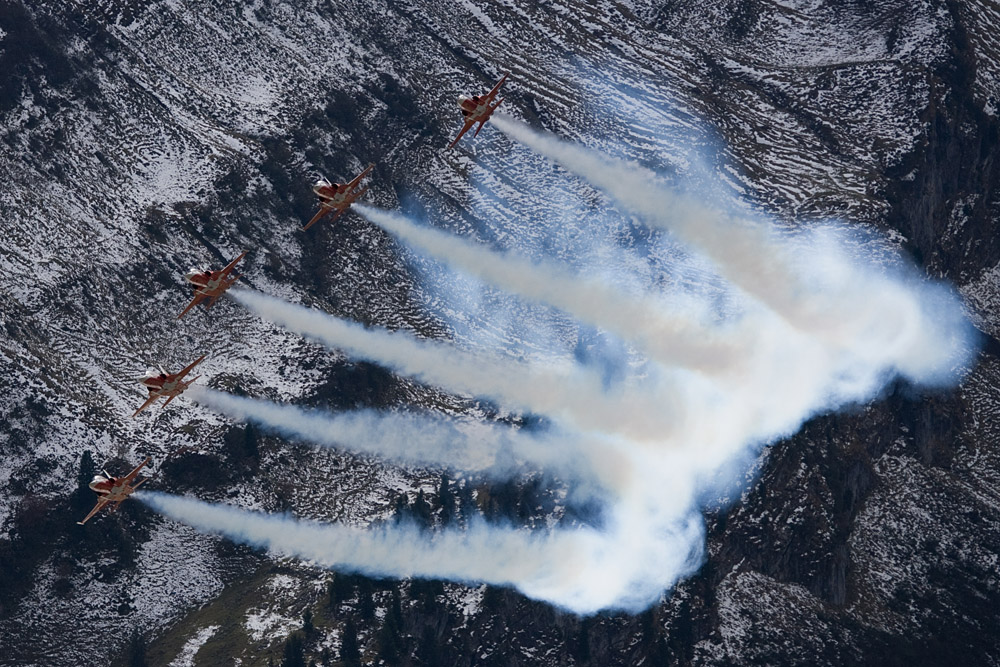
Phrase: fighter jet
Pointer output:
(165, 384)
(113, 490)
(337, 196)
(478, 109)
(210, 284)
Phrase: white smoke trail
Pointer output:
(673, 338)
(835, 330)
(566, 392)
(555, 566)
(744, 252)
(811, 285)
(497, 451)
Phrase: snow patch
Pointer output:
(191, 647)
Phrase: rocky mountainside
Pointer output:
(138, 139)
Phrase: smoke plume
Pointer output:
(665, 331)
(564, 391)
(810, 283)
(555, 566)
(495, 450)
(829, 327)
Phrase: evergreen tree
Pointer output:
(389, 640)
(251, 442)
(659, 656)
(583, 643)
(350, 654)
(366, 603)
(294, 654)
(492, 597)
(401, 508)
(395, 611)
(654, 647)
(680, 640)
(389, 645)
(422, 511)
(125, 546)
(647, 625)
(527, 499)
(466, 503)
(429, 652)
(137, 650)
(340, 589)
(307, 622)
(504, 499)
(241, 444)
(446, 500)
(83, 497)
(426, 593)
(87, 469)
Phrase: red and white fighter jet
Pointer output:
(210, 284)
(337, 196)
(113, 490)
(478, 109)
(163, 384)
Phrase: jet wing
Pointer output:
(188, 368)
(129, 477)
(149, 402)
(357, 179)
(468, 124)
(340, 212)
(101, 503)
(496, 88)
(199, 297)
(232, 264)
(323, 210)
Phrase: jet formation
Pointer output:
(209, 285)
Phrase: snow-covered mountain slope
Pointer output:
(139, 139)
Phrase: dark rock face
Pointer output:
(944, 194)
(138, 138)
